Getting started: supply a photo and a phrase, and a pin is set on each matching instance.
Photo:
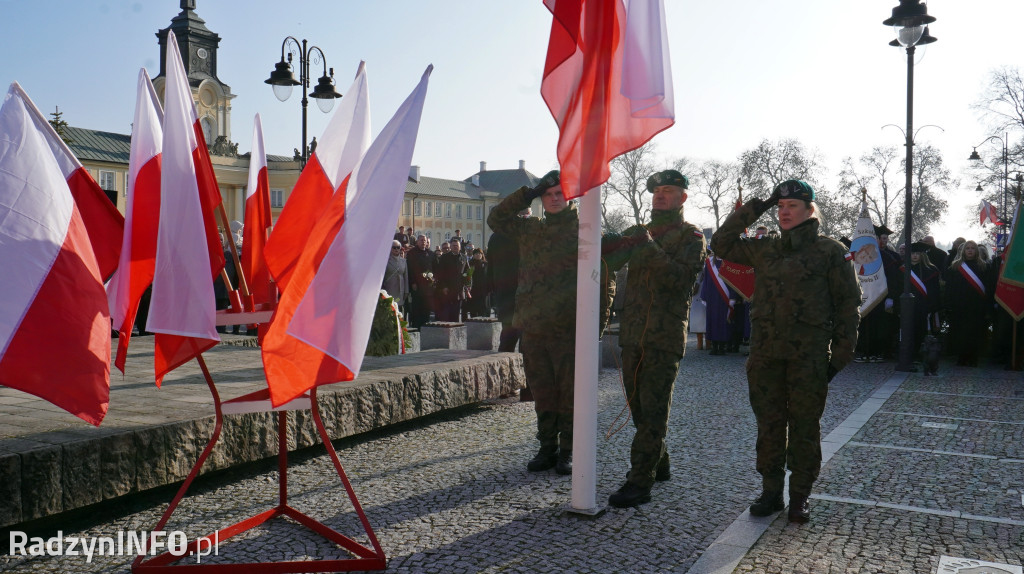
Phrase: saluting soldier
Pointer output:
(804, 330)
(545, 310)
(665, 257)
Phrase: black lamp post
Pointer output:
(283, 79)
(910, 20)
(1006, 173)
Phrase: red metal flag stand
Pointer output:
(363, 558)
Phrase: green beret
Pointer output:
(550, 179)
(667, 177)
(794, 189)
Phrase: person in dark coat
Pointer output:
(720, 313)
(968, 303)
(451, 281)
(477, 305)
(420, 260)
(503, 273)
(926, 289)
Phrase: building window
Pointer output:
(406, 207)
(107, 181)
(447, 235)
(448, 210)
(427, 208)
(458, 211)
(480, 212)
(277, 198)
(469, 238)
(418, 208)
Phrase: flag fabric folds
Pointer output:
(349, 131)
(54, 320)
(320, 330)
(142, 214)
(988, 213)
(867, 259)
(607, 82)
(182, 305)
(257, 221)
(1010, 286)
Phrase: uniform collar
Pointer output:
(805, 233)
(666, 216)
(569, 214)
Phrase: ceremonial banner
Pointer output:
(54, 322)
(739, 277)
(319, 332)
(1010, 287)
(988, 213)
(867, 259)
(142, 214)
(607, 82)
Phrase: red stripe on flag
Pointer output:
(290, 364)
(61, 350)
(311, 193)
(103, 222)
(254, 239)
(209, 197)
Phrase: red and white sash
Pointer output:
(712, 272)
(918, 284)
(972, 279)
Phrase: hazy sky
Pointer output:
(817, 70)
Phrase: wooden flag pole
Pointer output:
(243, 284)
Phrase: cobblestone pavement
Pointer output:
(450, 493)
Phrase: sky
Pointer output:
(820, 71)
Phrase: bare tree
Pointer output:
(1001, 105)
(715, 181)
(628, 181)
(878, 172)
(932, 183)
(771, 163)
(614, 218)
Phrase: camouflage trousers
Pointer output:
(550, 366)
(649, 376)
(788, 398)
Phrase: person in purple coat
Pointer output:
(719, 329)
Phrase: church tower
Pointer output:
(198, 47)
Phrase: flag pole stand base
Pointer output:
(363, 558)
(570, 510)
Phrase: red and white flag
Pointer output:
(607, 82)
(182, 306)
(349, 130)
(103, 222)
(54, 322)
(142, 214)
(321, 327)
(988, 213)
(257, 221)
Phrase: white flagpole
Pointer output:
(588, 300)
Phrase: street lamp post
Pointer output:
(1006, 173)
(910, 20)
(283, 79)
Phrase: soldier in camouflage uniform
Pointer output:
(804, 330)
(665, 257)
(545, 311)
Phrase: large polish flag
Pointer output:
(103, 222)
(257, 221)
(142, 215)
(182, 306)
(349, 130)
(607, 82)
(54, 323)
(320, 330)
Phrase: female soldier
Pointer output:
(968, 301)
(804, 329)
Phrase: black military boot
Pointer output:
(663, 473)
(799, 509)
(563, 465)
(767, 504)
(546, 458)
(629, 495)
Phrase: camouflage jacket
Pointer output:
(546, 289)
(806, 293)
(660, 281)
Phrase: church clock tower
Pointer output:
(198, 47)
